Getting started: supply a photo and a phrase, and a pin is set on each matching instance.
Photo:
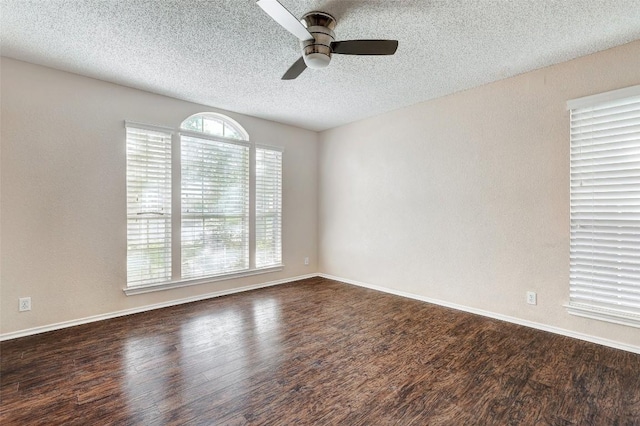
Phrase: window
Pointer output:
(268, 206)
(215, 207)
(214, 194)
(605, 207)
(148, 206)
(215, 125)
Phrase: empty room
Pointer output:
(359, 212)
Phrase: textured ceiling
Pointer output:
(229, 54)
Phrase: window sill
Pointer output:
(603, 315)
(149, 288)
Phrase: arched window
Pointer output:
(215, 196)
(214, 124)
(210, 236)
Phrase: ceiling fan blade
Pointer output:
(295, 70)
(283, 17)
(365, 47)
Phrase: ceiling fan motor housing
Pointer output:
(317, 52)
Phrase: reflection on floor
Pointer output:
(314, 352)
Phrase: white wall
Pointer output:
(63, 193)
(465, 199)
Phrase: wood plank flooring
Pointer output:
(314, 352)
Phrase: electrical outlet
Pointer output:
(24, 304)
(306, 260)
(532, 298)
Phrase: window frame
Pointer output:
(246, 215)
(176, 226)
(587, 301)
(160, 211)
(277, 212)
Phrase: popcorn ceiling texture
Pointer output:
(229, 54)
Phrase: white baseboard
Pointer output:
(94, 318)
(514, 320)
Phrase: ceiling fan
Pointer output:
(315, 31)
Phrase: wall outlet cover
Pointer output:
(532, 298)
(24, 304)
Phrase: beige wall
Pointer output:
(465, 199)
(63, 194)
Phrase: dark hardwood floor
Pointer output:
(314, 352)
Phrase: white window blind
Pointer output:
(215, 206)
(226, 222)
(148, 206)
(605, 208)
(268, 207)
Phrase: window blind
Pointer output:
(148, 206)
(268, 207)
(605, 210)
(215, 207)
